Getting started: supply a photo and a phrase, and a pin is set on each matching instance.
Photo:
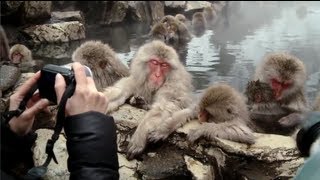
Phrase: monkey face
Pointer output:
(279, 87)
(158, 71)
(16, 58)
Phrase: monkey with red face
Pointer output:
(285, 74)
(158, 76)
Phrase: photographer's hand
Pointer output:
(22, 125)
(86, 96)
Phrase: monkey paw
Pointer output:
(157, 135)
(134, 148)
(194, 134)
(291, 120)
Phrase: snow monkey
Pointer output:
(181, 29)
(223, 113)
(285, 74)
(199, 23)
(106, 67)
(21, 56)
(158, 76)
(181, 18)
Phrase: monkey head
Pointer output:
(220, 103)
(181, 18)
(19, 53)
(154, 63)
(285, 74)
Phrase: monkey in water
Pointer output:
(106, 67)
(285, 74)
(21, 56)
(222, 113)
(199, 23)
(210, 14)
(158, 76)
(181, 29)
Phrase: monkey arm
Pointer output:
(233, 131)
(118, 93)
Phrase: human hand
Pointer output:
(86, 96)
(22, 125)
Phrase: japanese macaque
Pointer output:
(21, 56)
(223, 113)
(181, 18)
(175, 25)
(285, 74)
(159, 32)
(199, 23)
(209, 13)
(4, 45)
(158, 76)
(106, 67)
(317, 103)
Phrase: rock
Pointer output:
(57, 32)
(198, 170)
(67, 16)
(165, 163)
(157, 10)
(36, 11)
(139, 11)
(55, 171)
(4, 104)
(56, 50)
(117, 13)
(23, 78)
(127, 168)
(175, 4)
(196, 5)
(9, 75)
(176, 158)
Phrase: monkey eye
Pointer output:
(155, 62)
(164, 65)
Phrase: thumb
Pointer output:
(32, 111)
(60, 87)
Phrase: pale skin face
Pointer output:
(16, 58)
(279, 86)
(158, 71)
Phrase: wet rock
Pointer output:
(117, 13)
(127, 169)
(67, 16)
(198, 170)
(196, 5)
(55, 171)
(36, 11)
(157, 10)
(139, 11)
(175, 4)
(57, 32)
(9, 75)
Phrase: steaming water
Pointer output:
(230, 50)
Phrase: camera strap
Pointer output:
(39, 171)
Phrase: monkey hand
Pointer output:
(292, 120)
(194, 134)
(158, 134)
(139, 102)
(135, 147)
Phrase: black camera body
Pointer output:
(47, 80)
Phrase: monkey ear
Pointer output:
(102, 64)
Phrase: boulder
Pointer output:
(56, 50)
(139, 11)
(9, 75)
(157, 10)
(196, 5)
(9, 7)
(67, 16)
(57, 32)
(272, 156)
(36, 11)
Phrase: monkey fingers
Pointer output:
(194, 134)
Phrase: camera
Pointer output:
(47, 80)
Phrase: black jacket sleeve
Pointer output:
(15, 150)
(92, 146)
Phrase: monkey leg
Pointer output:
(233, 131)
